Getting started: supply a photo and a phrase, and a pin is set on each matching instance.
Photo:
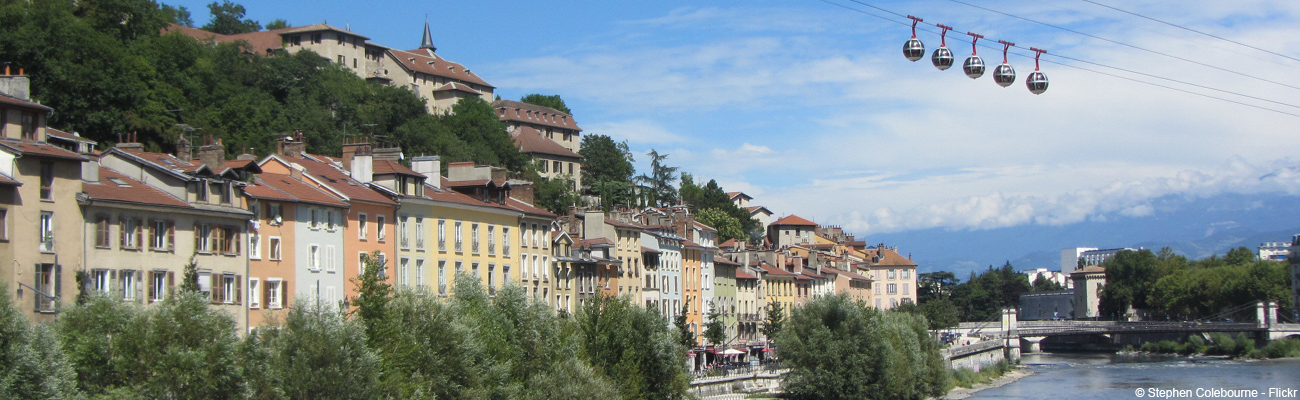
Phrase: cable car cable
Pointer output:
(1193, 30)
(1122, 44)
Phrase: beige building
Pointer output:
(1087, 291)
(148, 215)
(528, 122)
(39, 215)
(893, 276)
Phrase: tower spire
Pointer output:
(427, 43)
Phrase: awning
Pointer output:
(766, 350)
(733, 352)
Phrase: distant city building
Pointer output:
(1037, 306)
(1295, 271)
(1275, 251)
(1060, 278)
(1087, 289)
(1096, 257)
(1070, 258)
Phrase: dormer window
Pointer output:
(29, 125)
(201, 194)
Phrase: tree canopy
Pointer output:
(607, 170)
(228, 19)
(552, 101)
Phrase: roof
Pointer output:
(334, 178)
(317, 27)
(7, 180)
(426, 62)
(584, 243)
(39, 149)
(741, 274)
(116, 187)
(704, 227)
(734, 195)
(649, 250)
(889, 257)
(51, 132)
(447, 195)
(622, 224)
(384, 167)
(1090, 269)
(794, 220)
(847, 274)
(163, 160)
(755, 209)
(728, 243)
(14, 101)
(510, 110)
(530, 140)
(457, 87)
(260, 41)
(773, 271)
(724, 260)
(528, 208)
(250, 165)
(296, 190)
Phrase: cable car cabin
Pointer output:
(974, 67)
(942, 58)
(1037, 82)
(1004, 75)
(913, 49)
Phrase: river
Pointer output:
(1116, 376)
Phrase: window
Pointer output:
(558, 167)
(129, 284)
(295, 40)
(404, 272)
(505, 274)
(274, 214)
(329, 259)
(907, 274)
(163, 236)
(492, 281)
(273, 245)
(343, 59)
(30, 125)
(459, 247)
(201, 191)
(313, 257)
(473, 238)
(907, 289)
(315, 220)
(48, 281)
(129, 228)
(379, 222)
(4, 218)
(159, 281)
(361, 226)
(47, 231)
(459, 267)
(523, 234)
(537, 242)
(316, 38)
(202, 238)
(229, 240)
(100, 279)
(224, 188)
(893, 274)
(442, 235)
(892, 288)
(254, 246)
(419, 275)
(403, 232)
(492, 240)
(442, 277)
(229, 289)
(419, 233)
(254, 295)
(101, 232)
(274, 293)
(505, 241)
(473, 267)
(361, 263)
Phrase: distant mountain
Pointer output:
(1195, 227)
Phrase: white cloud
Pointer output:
(638, 131)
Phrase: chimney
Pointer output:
(183, 148)
(462, 171)
(126, 141)
(430, 167)
(214, 154)
(90, 170)
(498, 174)
(291, 146)
(295, 170)
(17, 86)
(362, 167)
(387, 153)
(353, 148)
(522, 191)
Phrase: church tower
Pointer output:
(427, 43)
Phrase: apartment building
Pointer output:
(528, 122)
(893, 276)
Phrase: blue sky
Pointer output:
(812, 109)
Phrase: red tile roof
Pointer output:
(7, 180)
(334, 178)
(724, 260)
(773, 271)
(847, 274)
(584, 243)
(39, 149)
(297, 190)
(649, 250)
(383, 167)
(704, 227)
(116, 187)
(166, 161)
(518, 111)
(530, 140)
(794, 220)
(67, 136)
(423, 61)
(741, 274)
(446, 194)
(14, 101)
(528, 208)
(457, 87)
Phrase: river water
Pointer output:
(1115, 376)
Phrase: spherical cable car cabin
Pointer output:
(942, 58)
(1037, 81)
(974, 65)
(914, 49)
(1004, 75)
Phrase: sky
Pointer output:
(810, 107)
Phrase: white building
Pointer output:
(1096, 257)
(1060, 278)
(1070, 258)
(1275, 251)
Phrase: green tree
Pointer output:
(660, 181)
(715, 331)
(1129, 275)
(555, 195)
(935, 285)
(837, 347)
(177, 15)
(277, 24)
(475, 122)
(228, 19)
(728, 226)
(552, 101)
(632, 346)
(32, 362)
(940, 313)
(317, 353)
(775, 320)
(607, 169)
(983, 296)
(685, 337)
(373, 293)
(190, 277)
(1043, 284)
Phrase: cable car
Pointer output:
(942, 57)
(1004, 75)
(913, 49)
(974, 65)
(1037, 81)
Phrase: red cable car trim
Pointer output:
(1005, 45)
(975, 37)
(914, 21)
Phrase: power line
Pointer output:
(1125, 44)
(1193, 30)
(1096, 64)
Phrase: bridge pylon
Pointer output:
(1011, 336)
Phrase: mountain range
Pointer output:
(1195, 227)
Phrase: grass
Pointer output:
(1222, 344)
(967, 378)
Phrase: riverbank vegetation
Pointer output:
(837, 347)
(472, 345)
(968, 378)
(1169, 286)
(1222, 344)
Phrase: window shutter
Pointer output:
(146, 242)
(171, 281)
(239, 289)
(266, 294)
(139, 234)
(139, 286)
(58, 281)
(198, 230)
(121, 232)
(284, 294)
(152, 287)
(171, 235)
(237, 239)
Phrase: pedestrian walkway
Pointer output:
(732, 396)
